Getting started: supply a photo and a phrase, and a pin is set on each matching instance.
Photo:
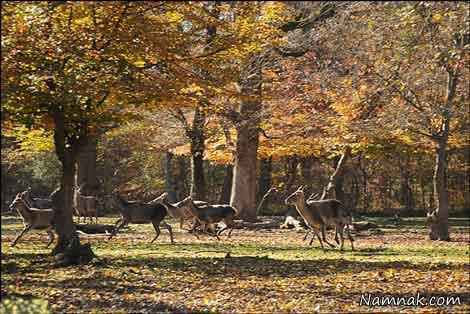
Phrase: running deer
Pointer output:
(85, 206)
(318, 214)
(140, 213)
(211, 214)
(181, 209)
(33, 218)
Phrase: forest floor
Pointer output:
(265, 271)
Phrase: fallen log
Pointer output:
(95, 228)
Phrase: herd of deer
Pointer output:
(318, 214)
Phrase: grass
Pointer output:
(254, 271)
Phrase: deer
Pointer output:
(316, 197)
(36, 202)
(33, 218)
(180, 209)
(319, 213)
(140, 213)
(211, 214)
(85, 206)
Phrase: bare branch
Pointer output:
(179, 115)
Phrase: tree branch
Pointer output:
(179, 115)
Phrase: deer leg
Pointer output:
(168, 227)
(315, 233)
(306, 235)
(181, 223)
(51, 237)
(116, 229)
(230, 232)
(157, 230)
(311, 240)
(336, 235)
(350, 237)
(341, 237)
(192, 230)
(26, 229)
(222, 230)
(205, 231)
(324, 237)
(118, 222)
(319, 238)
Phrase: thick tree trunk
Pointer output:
(198, 183)
(86, 167)
(406, 193)
(68, 249)
(439, 218)
(225, 194)
(290, 169)
(244, 173)
(363, 169)
(306, 164)
(62, 203)
(181, 184)
(169, 177)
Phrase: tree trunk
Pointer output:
(290, 177)
(198, 183)
(363, 169)
(466, 178)
(225, 195)
(439, 218)
(306, 164)
(406, 194)
(86, 167)
(169, 178)
(244, 173)
(181, 184)
(243, 196)
(290, 169)
(68, 249)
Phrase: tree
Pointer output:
(427, 105)
(66, 66)
(364, 56)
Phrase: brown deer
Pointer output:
(33, 218)
(318, 214)
(211, 214)
(140, 213)
(85, 206)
